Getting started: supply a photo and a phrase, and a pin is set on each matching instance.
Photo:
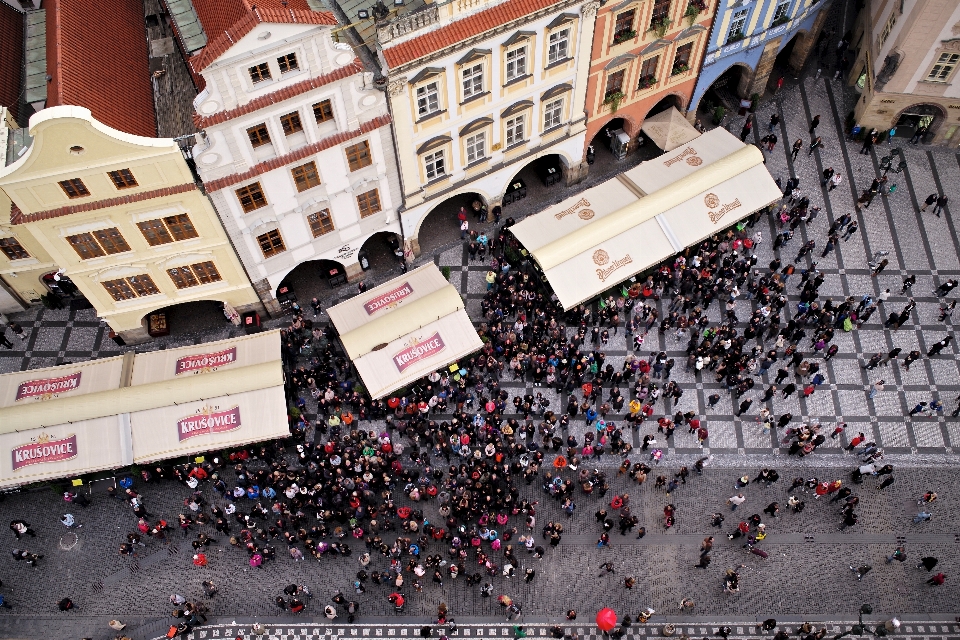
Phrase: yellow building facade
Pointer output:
(121, 216)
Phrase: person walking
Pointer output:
(861, 571)
(945, 288)
(928, 563)
(922, 516)
(21, 528)
(879, 268)
(939, 346)
(929, 201)
(774, 121)
(877, 386)
(815, 144)
(814, 124)
(941, 203)
(912, 357)
(937, 580)
(900, 555)
(797, 146)
(736, 501)
(745, 131)
(849, 231)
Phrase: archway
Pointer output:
(784, 63)
(379, 252)
(601, 141)
(441, 227)
(539, 179)
(726, 91)
(308, 280)
(915, 116)
(667, 101)
(186, 319)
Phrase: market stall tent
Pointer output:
(669, 129)
(590, 242)
(404, 329)
(104, 414)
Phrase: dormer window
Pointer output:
(288, 63)
(260, 73)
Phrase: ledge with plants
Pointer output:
(735, 37)
(646, 82)
(624, 36)
(613, 99)
(679, 68)
(694, 9)
(660, 26)
(781, 20)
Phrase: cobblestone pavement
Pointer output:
(806, 574)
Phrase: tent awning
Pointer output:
(109, 414)
(700, 153)
(669, 129)
(404, 329)
(581, 259)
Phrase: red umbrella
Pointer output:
(393, 403)
(606, 619)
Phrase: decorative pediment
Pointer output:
(426, 72)
(516, 107)
(476, 125)
(555, 91)
(474, 54)
(655, 45)
(619, 61)
(433, 143)
(519, 36)
(562, 19)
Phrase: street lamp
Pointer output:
(886, 162)
(865, 609)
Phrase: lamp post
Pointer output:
(865, 609)
(886, 162)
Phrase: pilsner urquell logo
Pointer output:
(388, 299)
(417, 350)
(204, 362)
(48, 387)
(44, 448)
(208, 420)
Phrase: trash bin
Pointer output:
(251, 322)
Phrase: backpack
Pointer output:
(847, 324)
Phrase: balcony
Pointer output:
(426, 16)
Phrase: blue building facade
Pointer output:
(747, 38)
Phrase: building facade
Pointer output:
(907, 54)
(748, 37)
(646, 54)
(295, 150)
(478, 90)
(122, 217)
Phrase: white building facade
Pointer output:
(478, 90)
(296, 150)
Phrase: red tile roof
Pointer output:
(226, 21)
(11, 56)
(462, 30)
(97, 56)
(279, 96)
(19, 217)
(299, 154)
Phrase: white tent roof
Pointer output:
(404, 329)
(666, 169)
(669, 129)
(124, 413)
(584, 257)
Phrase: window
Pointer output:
(623, 27)
(476, 147)
(358, 156)
(288, 62)
(74, 188)
(169, 229)
(291, 123)
(260, 73)
(681, 61)
(305, 176)
(737, 23)
(271, 243)
(13, 249)
(321, 222)
(323, 111)
(781, 12)
(552, 114)
(369, 203)
(193, 275)
(258, 135)
(515, 130)
(98, 243)
(558, 42)
(122, 178)
(887, 28)
(132, 287)
(251, 197)
(614, 83)
(434, 165)
(428, 100)
(472, 81)
(648, 73)
(660, 13)
(942, 70)
(516, 63)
